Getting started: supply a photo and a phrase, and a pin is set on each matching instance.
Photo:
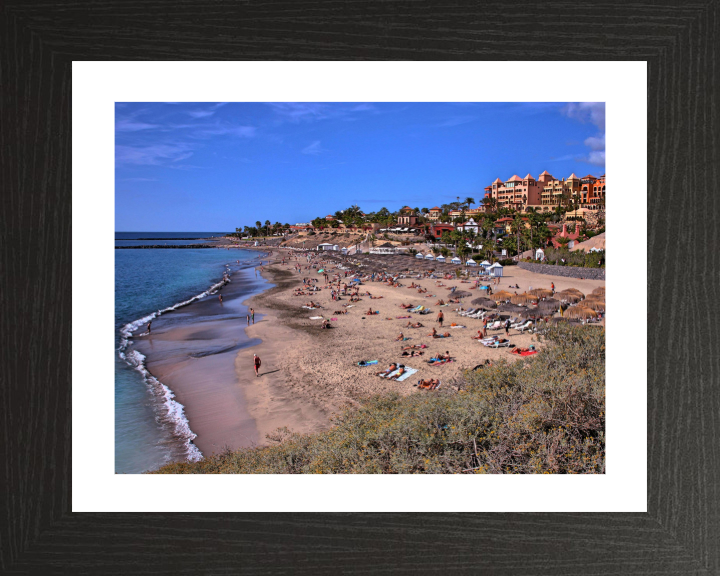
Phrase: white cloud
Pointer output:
(126, 125)
(597, 158)
(313, 149)
(153, 155)
(586, 112)
(596, 142)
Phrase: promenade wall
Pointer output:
(565, 271)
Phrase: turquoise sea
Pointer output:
(149, 426)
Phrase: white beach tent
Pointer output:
(496, 269)
(429, 257)
(471, 263)
(485, 264)
(456, 260)
(419, 255)
(440, 258)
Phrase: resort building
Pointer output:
(571, 236)
(434, 214)
(407, 217)
(469, 226)
(593, 192)
(436, 230)
(516, 192)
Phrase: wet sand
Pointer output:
(193, 350)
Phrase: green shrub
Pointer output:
(540, 415)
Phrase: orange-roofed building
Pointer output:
(517, 193)
(571, 236)
(434, 214)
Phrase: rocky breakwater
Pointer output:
(164, 246)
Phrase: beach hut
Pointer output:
(456, 260)
(419, 255)
(440, 258)
(496, 270)
(344, 251)
(429, 257)
(471, 263)
(540, 254)
(485, 264)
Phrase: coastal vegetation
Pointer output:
(544, 414)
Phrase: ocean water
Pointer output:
(150, 428)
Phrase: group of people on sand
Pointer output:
(392, 368)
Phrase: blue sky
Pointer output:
(217, 166)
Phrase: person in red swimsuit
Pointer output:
(257, 364)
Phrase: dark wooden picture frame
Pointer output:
(680, 533)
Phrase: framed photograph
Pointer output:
(214, 208)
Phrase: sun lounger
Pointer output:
(495, 325)
(368, 363)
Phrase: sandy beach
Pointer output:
(309, 373)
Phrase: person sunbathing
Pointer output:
(325, 324)
(391, 368)
(415, 346)
(406, 306)
(487, 364)
(428, 384)
(416, 325)
(446, 335)
(433, 333)
(400, 372)
(375, 297)
(412, 353)
(400, 337)
(440, 302)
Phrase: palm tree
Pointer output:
(267, 227)
(469, 200)
(258, 225)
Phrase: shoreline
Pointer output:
(192, 352)
(309, 374)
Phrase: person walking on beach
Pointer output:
(440, 318)
(507, 327)
(148, 326)
(257, 361)
(252, 315)
(248, 319)
(220, 297)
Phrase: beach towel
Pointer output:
(362, 364)
(333, 319)
(456, 326)
(408, 372)
(316, 317)
(402, 317)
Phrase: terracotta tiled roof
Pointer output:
(528, 177)
(573, 177)
(436, 208)
(546, 173)
(497, 181)
(515, 178)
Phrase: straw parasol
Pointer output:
(501, 295)
(580, 312)
(574, 291)
(541, 292)
(511, 308)
(461, 294)
(548, 306)
(524, 299)
(600, 291)
(568, 297)
(486, 303)
(594, 304)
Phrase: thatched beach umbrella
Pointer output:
(574, 291)
(580, 312)
(486, 303)
(600, 291)
(594, 303)
(541, 292)
(570, 297)
(548, 306)
(502, 295)
(461, 294)
(511, 308)
(523, 299)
